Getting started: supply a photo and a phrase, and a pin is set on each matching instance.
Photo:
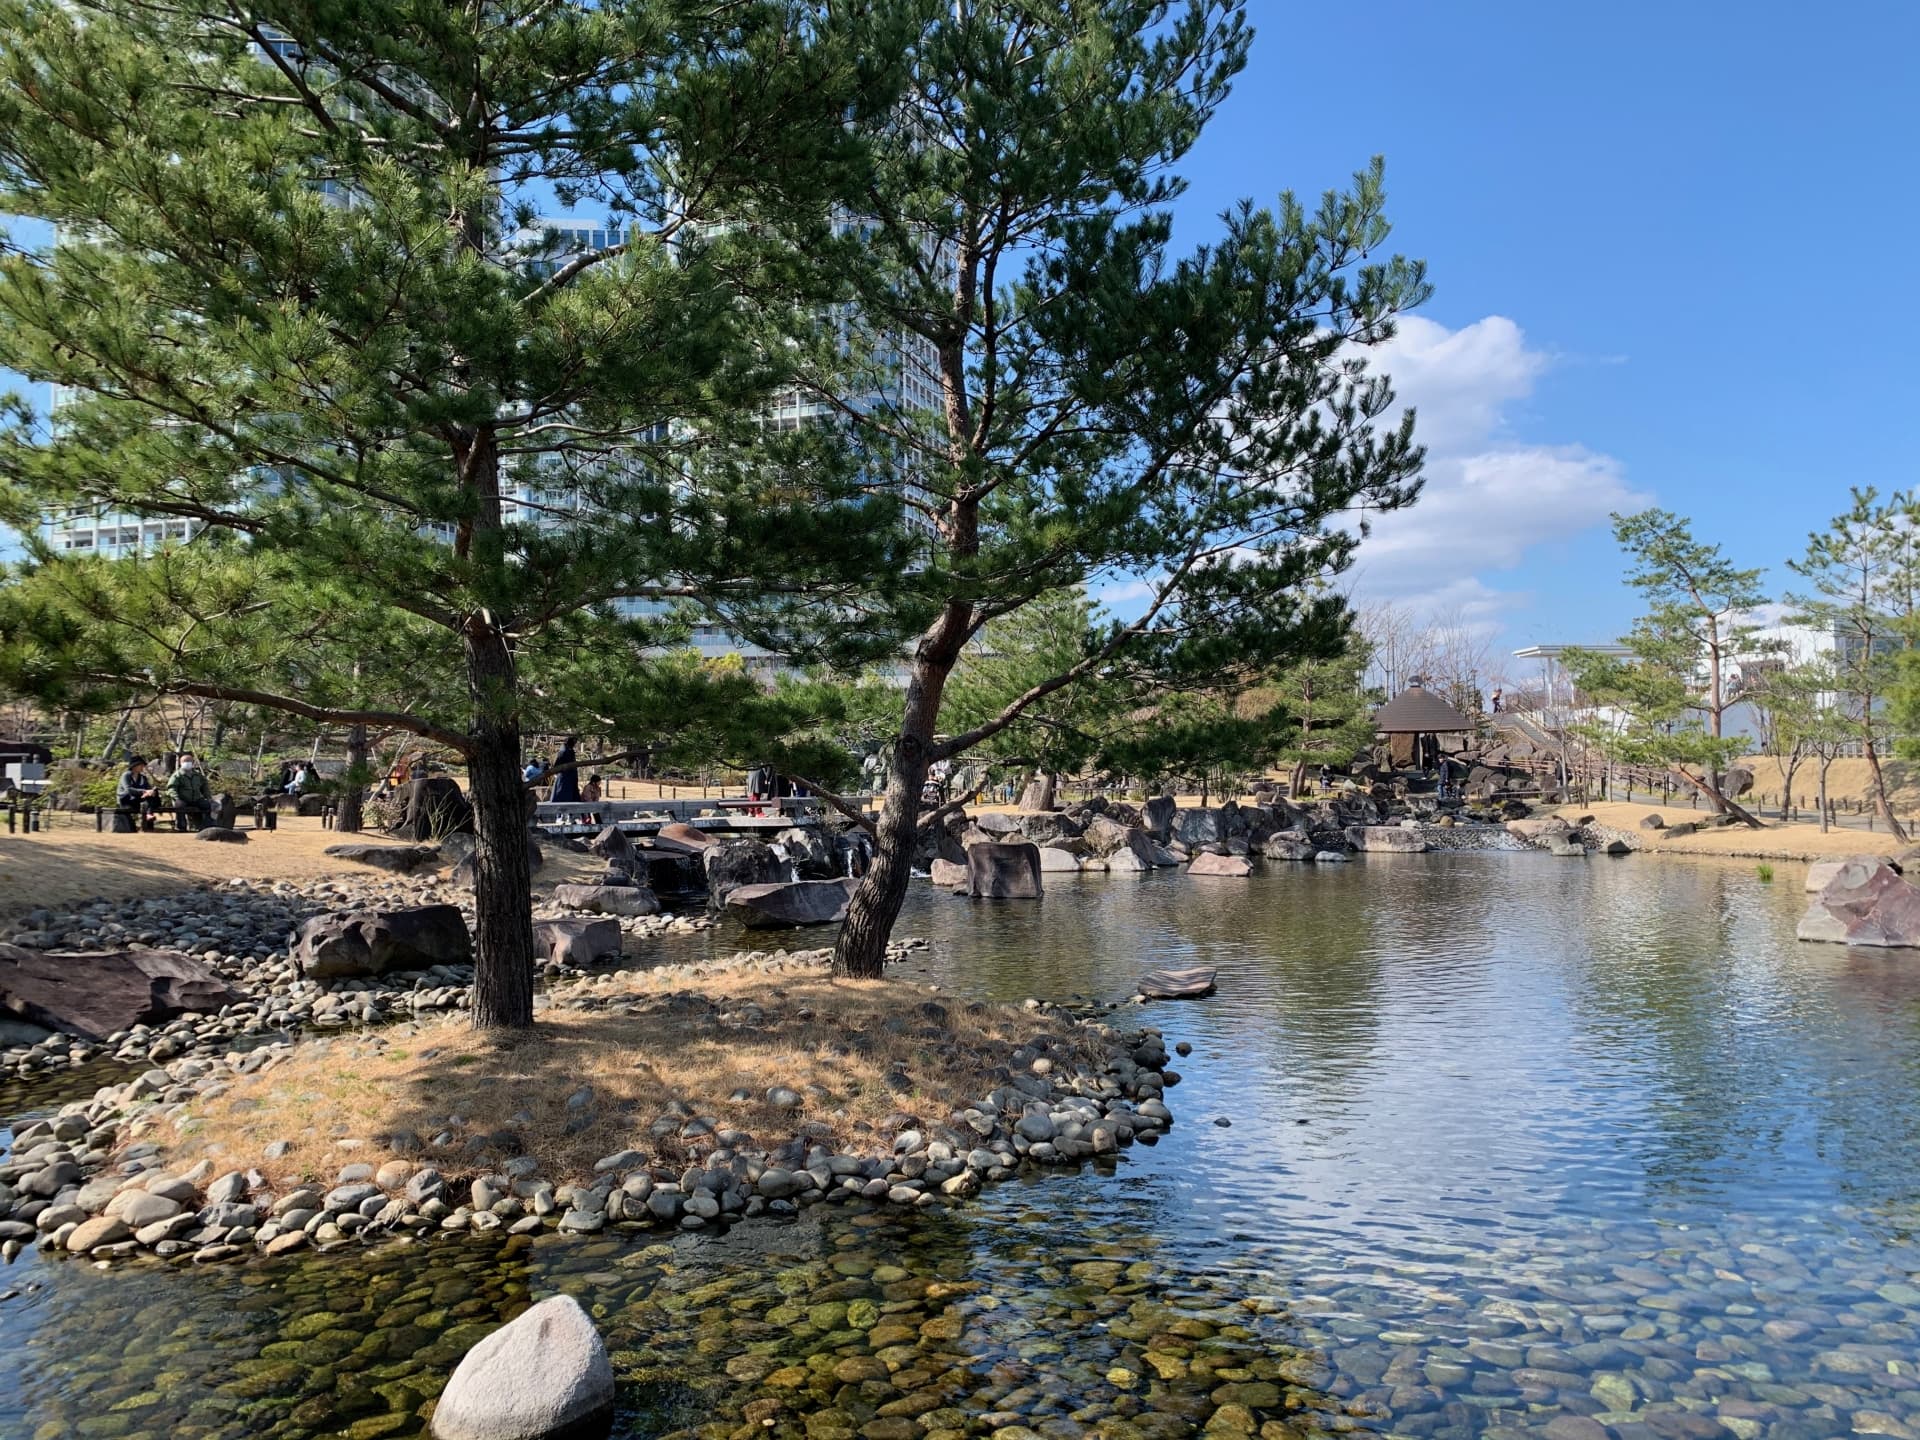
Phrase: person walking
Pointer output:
(566, 775)
(1494, 700)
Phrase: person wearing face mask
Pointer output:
(191, 793)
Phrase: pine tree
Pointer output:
(293, 299)
(1864, 578)
(1100, 403)
(1697, 623)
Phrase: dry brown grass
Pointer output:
(1774, 842)
(836, 1042)
(71, 863)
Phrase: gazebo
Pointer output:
(1413, 722)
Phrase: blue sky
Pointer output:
(1653, 233)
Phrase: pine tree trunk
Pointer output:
(860, 952)
(503, 881)
(1880, 801)
(1039, 794)
(350, 815)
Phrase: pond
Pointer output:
(1511, 1143)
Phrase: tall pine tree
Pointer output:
(291, 296)
(1099, 403)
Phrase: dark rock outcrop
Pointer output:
(576, 940)
(400, 859)
(733, 863)
(1004, 871)
(630, 900)
(373, 942)
(790, 903)
(95, 993)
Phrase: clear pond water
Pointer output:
(1515, 1145)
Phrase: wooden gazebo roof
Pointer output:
(1418, 711)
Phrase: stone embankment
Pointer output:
(96, 1179)
(1004, 855)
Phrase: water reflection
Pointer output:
(1589, 1149)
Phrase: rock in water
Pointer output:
(1158, 817)
(1236, 867)
(1004, 872)
(95, 993)
(630, 900)
(543, 1375)
(948, 876)
(400, 859)
(1190, 984)
(1058, 862)
(1867, 903)
(576, 940)
(1386, 837)
(793, 902)
(733, 863)
(372, 942)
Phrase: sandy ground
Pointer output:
(1775, 842)
(71, 861)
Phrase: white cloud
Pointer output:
(1488, 498)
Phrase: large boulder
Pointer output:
(733, 863)
(1395, 838)
(620, 853)
(1821, 873)
(221, 835)
(946, 875)
(1055, 861)
(1233, 867)
(1736, 782)
(999, 824)
(1867, 903)
(809, 852)
(1199, 826)
(541, 1376)
(1004, 871)
(436, 806)
(789, 903)
(576, 940)
(1158, 815)
(225, 807)
(1288, 845)
(1105, 836)
(373, 942)
(1044, 826)
(400, 859)
(1544, 832)
(95, 993)
(631, 900)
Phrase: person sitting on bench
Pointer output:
(192, 794)
(137, 795)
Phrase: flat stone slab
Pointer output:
(627, 900)
(1189, 984)
(95, 993)
(790, 903)
(399, 859)
(1232, 867)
